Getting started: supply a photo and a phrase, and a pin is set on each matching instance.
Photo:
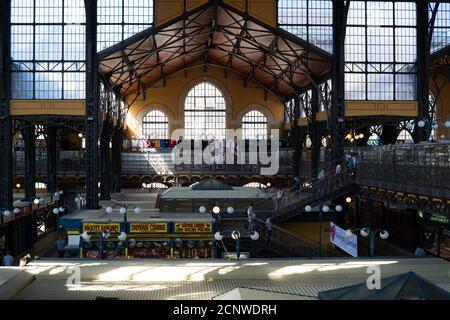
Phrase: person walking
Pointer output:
(8, 260)
(297, 183)
(60, 244)
(251, 218)
(279, 198)
(419, 252)
(269, 228)
(338, 174)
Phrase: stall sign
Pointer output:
(439, 219)
(233, 255)
(100, 227)
(160, 227)
(192, 227)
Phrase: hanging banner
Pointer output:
(188, 227)
(156, 227)
(340, 239)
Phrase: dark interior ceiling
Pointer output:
(216, 35)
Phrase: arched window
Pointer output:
(205, 112)
(374, 140)
(254, 125)
(404, 137)
(155, 125)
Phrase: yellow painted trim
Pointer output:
(238, 4)
(381, 108)
(48, 107)
(192, 4)
(166, 10)
(321, 116)
(264, 10)
(73, 232)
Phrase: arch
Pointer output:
(204, 109)
(146, 110)
(253, 111)
(155, 125)
(404, 137)
(374, 139)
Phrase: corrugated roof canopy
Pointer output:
(219, 35)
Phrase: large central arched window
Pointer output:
(205, 112)
(155, 125)
(254, 125)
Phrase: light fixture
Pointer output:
(235, 235)
(36, 201)
(447, 124)
(230, 210)
(18, 185)
(77, 199)
(56, 211)
(86, 237)
(384, 234)
(122, 236)
(409, 126)
(216, 210)
(80, 135)
(435, 126)
(325, 208)
(268, 184)
(348, 199)
(62, 209)
(421, 123)
(308, 208)
(6, 213)
(109, 210)
(443, 137)
(364, 232)
(61, 192)
(202, 209)
(123, 210)
(348, 233)
(144, 185)
(338, 208)
(254, 235)
(218, 236)
(361, 135)
(16, 211)
(137, 210)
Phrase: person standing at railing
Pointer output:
(251, 218)
(298, 183)
(269, 228)
(321, 180)
(338, 175)
(279, 199)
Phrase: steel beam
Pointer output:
(51, 159)
(92, 106)
(117, 140)
(105, 158)
(337, 122)
(315, 133)
(29, 137)
(295, 132)
(423, 73)
(6, 177)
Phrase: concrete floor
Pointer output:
(204, 279)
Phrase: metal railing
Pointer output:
(422, 169)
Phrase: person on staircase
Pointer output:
(269, 228)
(279, 199)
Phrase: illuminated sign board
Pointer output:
(100, 227)
(158, 227)
(193, 227)
(439, 219)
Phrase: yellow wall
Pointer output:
(170, 99)
(309, 230)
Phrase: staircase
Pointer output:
(282, 242)
(315, 193)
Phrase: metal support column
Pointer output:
(423, 67)
(315, 132)
(51, 159)
(92, 106)
(105, 156)
(29, 137)
(6, 175)
(117, 140)
(337, 122)
(296, 137)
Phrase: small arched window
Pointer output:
(404, 137)
(155, 125)
(254, 125)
